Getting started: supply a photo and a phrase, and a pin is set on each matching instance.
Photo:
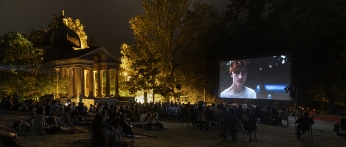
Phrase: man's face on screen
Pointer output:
(239, 77)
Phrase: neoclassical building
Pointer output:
(92, 73)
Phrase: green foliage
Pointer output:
(170, 45)
(316, 34)
(312, 31)
(19, 61)
(36, 37)
(22, 69)
(16, 50)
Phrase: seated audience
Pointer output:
(155, 121)
(38, 122)
(145, 118)
(55, 109)
(127, 127)
(304, 124)
(65, 117)
(20, 126)
(73, 107)
(8, 137)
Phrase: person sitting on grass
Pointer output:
(8, 137)
(155, 121)
(127, 127)
(55, 108)
(21, 127)
(38, 122)
(304, 124)
(144, 118)
(65, 117)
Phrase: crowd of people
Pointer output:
(110, 123)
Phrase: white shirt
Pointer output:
(246, 93)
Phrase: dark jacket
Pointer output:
(230, 122)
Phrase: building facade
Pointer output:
(92, 73)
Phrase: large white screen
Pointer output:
(260, 78)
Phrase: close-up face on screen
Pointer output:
(255, 78)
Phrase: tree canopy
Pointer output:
(311, 32)
(170, 45)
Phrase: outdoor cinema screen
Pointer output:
(256, 78)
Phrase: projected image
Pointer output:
(257, 78)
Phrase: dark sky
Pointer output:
(107, 21)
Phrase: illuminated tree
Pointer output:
(170, 44)
(22, 69)
(19, 64)
(74, 25)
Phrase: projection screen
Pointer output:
(255, 78)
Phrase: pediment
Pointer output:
(99, 50)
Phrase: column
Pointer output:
(70, 87)
(82, 82)
(108, 85)
(59, 69)
(116, 87)
(65, 72)
(76, 80)
(91, 83)
(100, 83)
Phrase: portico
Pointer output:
(88, 73)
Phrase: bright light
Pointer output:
(140, 99)
(125, 73)
(269, 96)
(270, 66)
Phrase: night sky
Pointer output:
(107, 21)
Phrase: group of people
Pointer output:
(8, 103)
(109, 123)
(150, 119)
